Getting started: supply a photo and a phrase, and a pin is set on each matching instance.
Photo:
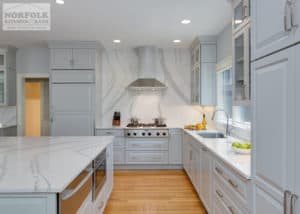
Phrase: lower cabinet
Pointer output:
(119, 143)
(219, 187)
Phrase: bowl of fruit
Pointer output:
(241, 148)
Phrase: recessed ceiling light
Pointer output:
(186, 21)
(117, 41)
(177, 41)
(60, 1)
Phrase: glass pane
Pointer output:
(1, 59)
(224, 92)
(238, 14)
(2, 85)
(239, 68)
(241, 114)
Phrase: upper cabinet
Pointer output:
(275, 25)
(204, 59)
(241, 14)
(241, 66)
(76, 58)
(7, 76)
(241, 52)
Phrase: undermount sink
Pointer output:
(212, 135)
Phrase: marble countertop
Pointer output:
(45, 164)
(222, 148)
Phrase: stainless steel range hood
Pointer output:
(147, 80)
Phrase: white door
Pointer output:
(205, 178)
(273, 133)
(83, 58)
(72, 109)
(175, 147)
(269, 31)
(61, 59)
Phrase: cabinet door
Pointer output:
(83, 59)
(297, 118)
(2, 86)
(110, 168)
(61, 59)
(208, 84)
(185, 152)
(72, 109)
(268, 27)
(175, 147)
(72, 124)
(273, 129)
(205, 178)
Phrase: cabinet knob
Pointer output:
(232, 183)
(219, 194)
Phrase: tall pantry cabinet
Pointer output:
(72, 88)
(275, 106)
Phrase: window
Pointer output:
(238, 114)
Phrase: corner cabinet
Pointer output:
(203, 76)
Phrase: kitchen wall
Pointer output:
(120, 68)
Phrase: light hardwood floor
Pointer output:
(153, 192)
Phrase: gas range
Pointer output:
(147, 130)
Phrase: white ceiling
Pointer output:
(135, 22)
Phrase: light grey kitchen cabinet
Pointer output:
(175, 146)
(73, 76)
(72, 109)
(61, 58)
(8, 76)
(186, 152)
(73, 58)
(205, 178)
(203, 76)
(275, 115)
(118, 145)
(241, 66)
(272, 28)
(241, 14)
(28, 204)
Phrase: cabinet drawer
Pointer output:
(147, 144)
(235, 184)
(136, 157)
(119, 156)
(222, 198)
(110, 132)
(69, 76)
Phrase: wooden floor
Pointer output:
(153, 192)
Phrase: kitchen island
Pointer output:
(37, 174)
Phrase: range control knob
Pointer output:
(149, 134)
(134, 134)
(128, 134)
(157, 133)
(164, 134)
(143, 133)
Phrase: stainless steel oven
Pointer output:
(71, 199)
(100, 170)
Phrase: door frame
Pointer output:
(21, 77)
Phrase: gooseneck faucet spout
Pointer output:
(227, 117)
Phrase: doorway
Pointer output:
(35, 107)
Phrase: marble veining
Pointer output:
(46, 164)
(222, 149)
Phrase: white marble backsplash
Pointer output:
(8, 116)
(120, 68)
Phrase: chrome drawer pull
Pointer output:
(234, 185)
(219, 194)
(219, 171)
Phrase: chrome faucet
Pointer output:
(227, 116)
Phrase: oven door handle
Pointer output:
(68, 193)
